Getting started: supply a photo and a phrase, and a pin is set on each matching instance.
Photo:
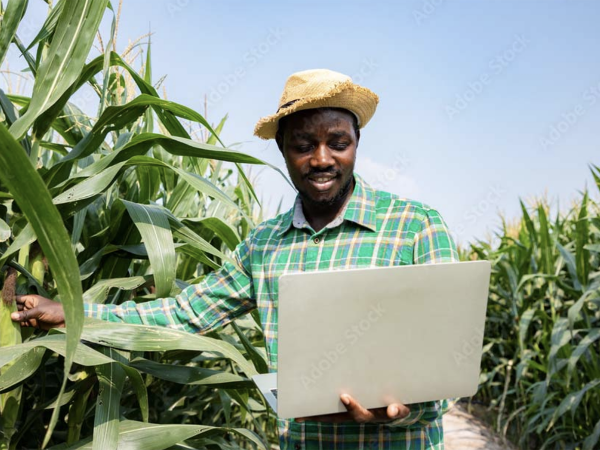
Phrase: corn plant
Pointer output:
(541, 362)
(103, 206)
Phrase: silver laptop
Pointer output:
(395, 334)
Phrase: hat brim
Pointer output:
(357, 99)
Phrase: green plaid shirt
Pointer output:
(375, 229)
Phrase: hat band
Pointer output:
(287, 105)
(291, 102)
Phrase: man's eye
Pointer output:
(304, 148)
(338, 145)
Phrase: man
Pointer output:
(337, 222)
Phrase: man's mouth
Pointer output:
(322, 182)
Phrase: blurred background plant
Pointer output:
(541, 359)
(101, 176)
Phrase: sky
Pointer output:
(482, 102)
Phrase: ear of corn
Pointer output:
(10, 334)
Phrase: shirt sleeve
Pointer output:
(218, 299)
(433, 244)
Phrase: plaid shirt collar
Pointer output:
(360, 209)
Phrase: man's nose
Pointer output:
(322, 157)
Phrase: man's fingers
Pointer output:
(356, 411)
(28, 300)
(19, 316)
(397, 411)
(25, 315)
(21, 299)
(360, 414)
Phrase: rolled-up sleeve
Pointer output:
(215, 301)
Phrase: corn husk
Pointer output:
(10, 334)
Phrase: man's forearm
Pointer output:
(161, 312)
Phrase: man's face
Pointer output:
(319, 148)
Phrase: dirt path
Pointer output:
(462, 431)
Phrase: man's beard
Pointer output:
(337, 198)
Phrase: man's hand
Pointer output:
(356, 413)
(38, 312)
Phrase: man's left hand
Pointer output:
(356, 413)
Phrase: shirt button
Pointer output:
(316, 240)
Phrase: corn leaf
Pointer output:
(191, 375)
(572, 401)
(48, 26)
(583, 346)
(260, 363)
(99, 291)
(582, 255)
(71, 43)
(153, 225)
(147, 436)
(571, 265)
(139, 387)
(5, 232)
(9, 22)
(22, 368)
(106, 419)
(146, 338)
(83, 355)
(591, 441)
(24, 238)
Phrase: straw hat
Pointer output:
(319, 88)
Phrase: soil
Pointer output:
(463, 431)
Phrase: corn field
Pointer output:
(541, 361)
(134, 197)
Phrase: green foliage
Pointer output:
(122, 206)
(541, 365)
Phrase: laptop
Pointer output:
(404, 334)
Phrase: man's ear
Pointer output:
(357, 137)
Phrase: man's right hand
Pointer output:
(38, 312)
